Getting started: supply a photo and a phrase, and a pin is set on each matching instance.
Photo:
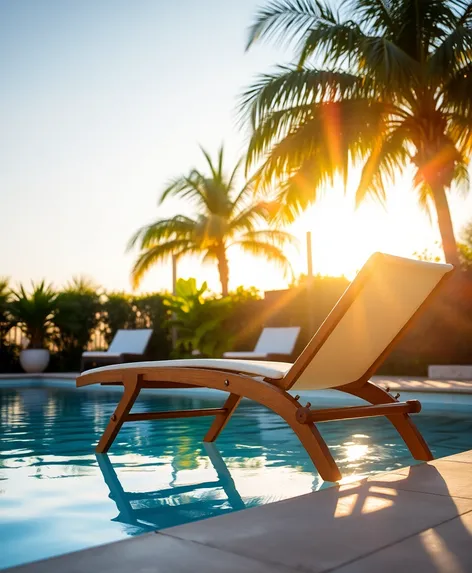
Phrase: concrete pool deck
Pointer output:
(414, 519)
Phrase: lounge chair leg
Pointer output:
(222, 419)
(131, 391)
(316, 447)
(403, 423)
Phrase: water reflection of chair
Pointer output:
(158, 509)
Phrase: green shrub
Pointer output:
(120, 310)
(117, 312)
(152, 312)
(204, 322)
(8, 351)
(5, 318)
(77, 316)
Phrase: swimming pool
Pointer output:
(57, 496)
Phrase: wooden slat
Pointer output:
(142, 416)
(154, 385)
(307, 416)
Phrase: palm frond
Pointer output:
(325, 143)
(274, 127)
(234, 173)
(423, 25)
(376, 15)
(389, 154)
(285, 20)
(220, 162)
(275, 237)
(162, 230)
(4, 287)
(291, 86)
(465, 19)
(216, 171)
(462, 176)
(453, 53)
(159, 253)
(248, 218)
(388, 64)
(270, 252)
(460, 131)
(186, 187)
(246, 193)
(425, 199)
(457, 91)
(332, 42)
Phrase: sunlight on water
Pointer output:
(56, 495)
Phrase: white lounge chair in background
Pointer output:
(126, 346)
(273, 343)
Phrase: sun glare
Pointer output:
(343, 237)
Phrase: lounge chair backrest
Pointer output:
(367, 319)
(130, 341)
(276, 340)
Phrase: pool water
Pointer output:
(57, 496)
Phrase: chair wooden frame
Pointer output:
(273, 393)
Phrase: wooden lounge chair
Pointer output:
(126, 346)
(275, 343)
(370, 317)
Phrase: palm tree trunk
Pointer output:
(223, 269)
(446, 229)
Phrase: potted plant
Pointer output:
(33, 313)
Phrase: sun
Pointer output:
(344, 237)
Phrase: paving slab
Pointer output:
(446, 548)
(463, 457)
(324, 530)
(150, 553)
(440, 477)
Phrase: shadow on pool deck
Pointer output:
(414, 519)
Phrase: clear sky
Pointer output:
(102, 101)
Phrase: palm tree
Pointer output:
(385, 82)
(225, 217)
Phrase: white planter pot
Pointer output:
(34, 360)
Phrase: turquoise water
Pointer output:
(57, 496)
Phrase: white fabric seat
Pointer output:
(273, 370)
(99, 353)
(248, 355)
